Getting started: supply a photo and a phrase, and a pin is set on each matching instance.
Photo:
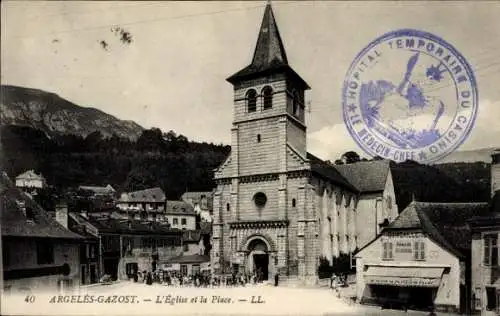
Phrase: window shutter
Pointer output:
(486, 257)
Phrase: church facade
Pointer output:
(277, 208)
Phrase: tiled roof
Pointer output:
(328, 171)
(30, 174)
(445, 223)
(366, 176)
(97, 189)
(179, 208)
(147, 196)
(190, 259)
(14, 221)
(133, 227)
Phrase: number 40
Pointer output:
(29, 299)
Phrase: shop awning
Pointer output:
(404, 276)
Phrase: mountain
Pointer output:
(54, 115)
(477, 155)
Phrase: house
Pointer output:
(485, 255)
(148, 204)
(420, 260)
(277, 207)
(195, 253)
(180, 215)
(202, 202)
(377, 197)
(127, 246)
(38, 253)
(30, 180)
(97, 191)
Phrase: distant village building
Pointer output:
(181, 215)
(202, 202)
(276, 206)
(148, 204)
(31, 180)
(421, 260)
(485, 255)
(97, 191)
(38, 253)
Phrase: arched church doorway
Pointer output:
(259, 258)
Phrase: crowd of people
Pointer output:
(199, 279)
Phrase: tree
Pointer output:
(350, 157)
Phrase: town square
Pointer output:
(203, 172)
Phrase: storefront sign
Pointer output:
(397, 281)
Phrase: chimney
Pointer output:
(495, 171)
(62, 214)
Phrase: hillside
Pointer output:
(478, 155)
(155, 159)
(54, 115)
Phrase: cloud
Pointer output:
(330, 142)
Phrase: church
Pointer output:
(278, 208)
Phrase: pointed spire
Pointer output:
(269, 48)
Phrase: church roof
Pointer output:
(269, 55)
(366, 176)
(445, 223)
(328, 171)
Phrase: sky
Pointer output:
(172, 75)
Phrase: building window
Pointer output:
(44, 252)
(491, 299)
(490, 257)
(228, 207)
(294, 202)
(186, 247)
(251, 101)
(258, 138)
(184, 269)
(6, 254)
(387, 253)
(260, 199)
(267, 94)
(183, 221)
(176, 221)
(419, 250)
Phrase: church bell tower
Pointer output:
(269, 109)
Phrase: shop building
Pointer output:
(421, 260)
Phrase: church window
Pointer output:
(389, 202)
(267, 94)
(228, 207)
(258, 138)
(251, 100)
(295, 103)
(260, 199)
(294, 202)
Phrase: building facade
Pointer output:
(31, 180)
(276, 206)
(180, 215)
(485, 255)
(39, 254)
(421, 260)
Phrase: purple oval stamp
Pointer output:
(409, 95)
